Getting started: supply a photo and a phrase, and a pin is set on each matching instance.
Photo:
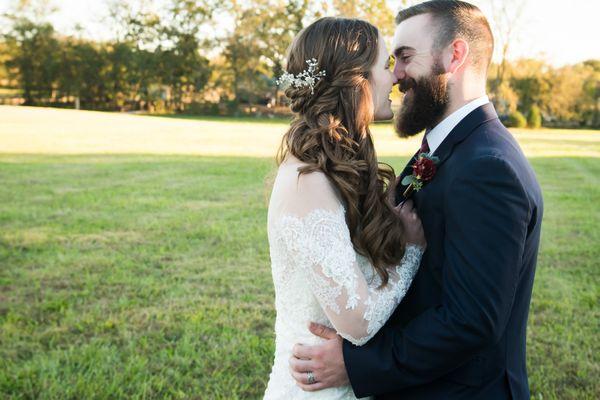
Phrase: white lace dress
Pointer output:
(318, 276)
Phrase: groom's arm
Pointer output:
(487, 214)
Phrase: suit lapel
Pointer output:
(464, 128)
(460, 132)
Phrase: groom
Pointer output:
(460, 332)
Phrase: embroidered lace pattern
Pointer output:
(318, 276)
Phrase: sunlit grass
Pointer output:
(29, 130)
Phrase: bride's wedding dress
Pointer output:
(318, 276)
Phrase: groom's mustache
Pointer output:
(406, 84)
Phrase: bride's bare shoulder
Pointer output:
(289, 171)
(300, 193)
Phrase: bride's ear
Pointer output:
(458, 53)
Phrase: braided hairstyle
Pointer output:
(330, 133)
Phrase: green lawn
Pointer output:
(148, 276)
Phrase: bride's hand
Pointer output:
(413, 229)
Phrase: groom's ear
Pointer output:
(459, 51)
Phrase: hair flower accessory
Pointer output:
(307, 78)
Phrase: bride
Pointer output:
(341, 254)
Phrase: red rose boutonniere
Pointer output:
(424, 170)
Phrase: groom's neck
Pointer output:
(464, 90)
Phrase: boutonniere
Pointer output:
(423, 170)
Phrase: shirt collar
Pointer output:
(436, 136)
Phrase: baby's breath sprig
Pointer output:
(307, 78)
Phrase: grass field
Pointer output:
(134, 259)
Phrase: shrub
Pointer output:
(534, 118)
(516, 120)
(202, 108)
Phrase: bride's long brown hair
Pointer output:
(330, 132)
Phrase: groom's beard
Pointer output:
(424, 105)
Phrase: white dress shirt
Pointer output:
(436, 136)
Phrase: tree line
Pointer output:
(533, 93)
(223, 57)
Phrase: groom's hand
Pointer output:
(325, 361)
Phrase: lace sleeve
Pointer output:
(317, 236)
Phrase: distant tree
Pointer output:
(4, 57)
(182, 68)
(189, 16)
(119, 65)
(375, 11)
(280, 23)
(590, 99)
(32, 62)
(506, 22)
(161, 52)
(568, 100)
(255, 47)
(530, 79)
(243, 63)
(505, 99)
(82, 65)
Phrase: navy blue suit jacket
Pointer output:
(460, 331)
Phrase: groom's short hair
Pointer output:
(457, 19)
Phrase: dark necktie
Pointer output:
(424, 145)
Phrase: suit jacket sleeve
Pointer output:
(486, 218)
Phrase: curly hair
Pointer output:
(330, 133)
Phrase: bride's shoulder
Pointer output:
(312, 190)
(289, 172)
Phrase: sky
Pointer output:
(559, 32)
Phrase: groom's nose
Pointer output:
(399, 72)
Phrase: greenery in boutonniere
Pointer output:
(424, 170)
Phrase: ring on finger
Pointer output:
(311, 378)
